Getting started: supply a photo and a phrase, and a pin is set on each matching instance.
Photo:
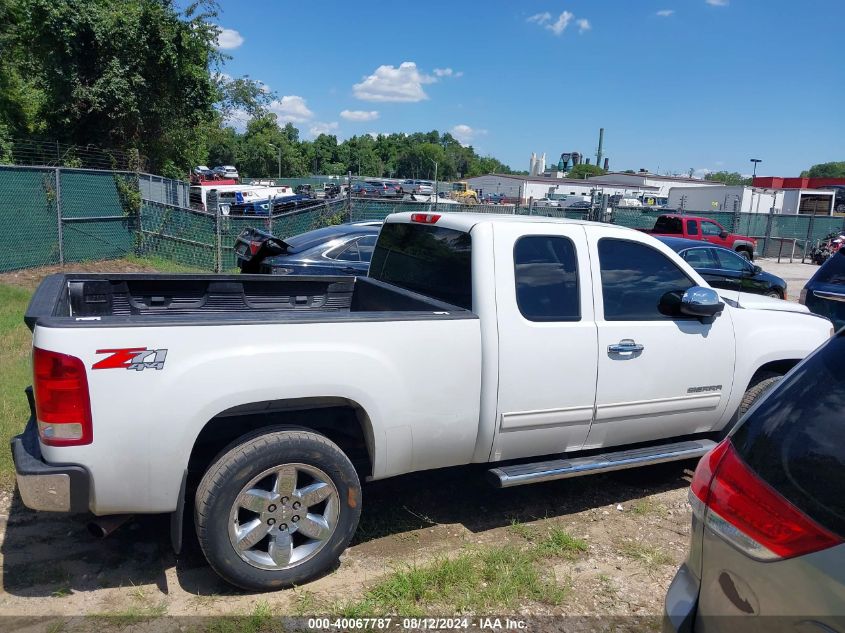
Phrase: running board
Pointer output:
(519, 474)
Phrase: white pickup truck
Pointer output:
(548, 348)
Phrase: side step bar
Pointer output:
(519, 474)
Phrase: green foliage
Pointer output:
(728, 178)
(585, 171)
(826, 170)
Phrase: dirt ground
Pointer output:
(30, 277)
(636, 525)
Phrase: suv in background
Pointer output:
(768, 513)
(387, 189)
(228, 172)
(824, 294)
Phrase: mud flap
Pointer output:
(177, 517)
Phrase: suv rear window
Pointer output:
(795, 439)
(833, 271)
(430, 260)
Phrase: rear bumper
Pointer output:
(681, 602)
(44, 486)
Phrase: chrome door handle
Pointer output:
(832, 296)
(625, 346)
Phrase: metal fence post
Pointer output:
(768, 234)
(349, 196)
(810, 224)
(59, 222)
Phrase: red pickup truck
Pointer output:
(696, 228)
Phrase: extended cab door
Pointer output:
(659, 375)
(712, 232)
(547, 339)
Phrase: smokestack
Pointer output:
(586, 161)
(600, 150)
(606, 164)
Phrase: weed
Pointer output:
(560, 543)
(651, 557)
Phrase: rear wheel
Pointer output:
(774, 294)
(745, 254)
(277, 509)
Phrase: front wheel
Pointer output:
(277, 509)
(745, 255)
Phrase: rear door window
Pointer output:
(692, 227)
(546, 273)
(795, 438)
(668, 226)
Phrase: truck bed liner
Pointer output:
(102, 299)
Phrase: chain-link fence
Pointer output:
(61, 215)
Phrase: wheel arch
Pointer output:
(342, 420)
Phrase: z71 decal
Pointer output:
(137, 358)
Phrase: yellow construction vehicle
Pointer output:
(462, 193)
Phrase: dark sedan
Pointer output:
(723, 268)
(824, 294)
(344, 249)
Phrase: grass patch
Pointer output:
(474, 582)
(651, 557)
(261, 619)
(528, 532)
(645, 507)
(133, 614)
(559, 543)
(164, 265)
(15, 342)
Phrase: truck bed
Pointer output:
(120, 300)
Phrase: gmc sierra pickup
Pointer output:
(548, 348)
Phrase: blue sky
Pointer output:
(677, 84)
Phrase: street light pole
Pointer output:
(755, 161)
(435, 183)
(280, 157)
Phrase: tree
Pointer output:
(826, 170)
(728, 178)
(585, 171)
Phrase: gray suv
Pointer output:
(768, 521)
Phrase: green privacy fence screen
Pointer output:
(52, 216)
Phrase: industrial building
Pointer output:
(644, 178)
(524, 188)
(746, 199)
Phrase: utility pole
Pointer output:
(280, 157)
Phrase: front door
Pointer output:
(547, 340)
(660, 376)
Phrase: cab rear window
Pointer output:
(431, 260)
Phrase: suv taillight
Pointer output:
(744, 510)
(62, 406)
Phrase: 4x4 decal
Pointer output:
(137, 358)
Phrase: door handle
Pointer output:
(625, 346)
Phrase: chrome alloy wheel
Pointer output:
(284, 516)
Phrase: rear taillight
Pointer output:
(62, 406)
(802, 299)
(425, 218)
(747, 512)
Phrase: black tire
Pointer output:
(760, 384)
(745, 254)
(775, 294)
(238, 465)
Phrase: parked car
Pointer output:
(703, 229)
(767, 550)
(344, 249)
(387, 189)
(365, 190)
(824, 294)
(493, 198)
(203, 170)
(228, 172)
(724, 268)
(269, 398)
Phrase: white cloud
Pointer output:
(465, 134)
(291, 109)
(323, 128)
(448, 72)
(227, 39)
(717, 3)
(389, 83)
(237, 119)
(540, 18)
(359, 115)
(665, 13)
(559, 26)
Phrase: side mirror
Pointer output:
(723, 235)
(701, 302)
(757, 270)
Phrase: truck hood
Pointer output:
(760, 302)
